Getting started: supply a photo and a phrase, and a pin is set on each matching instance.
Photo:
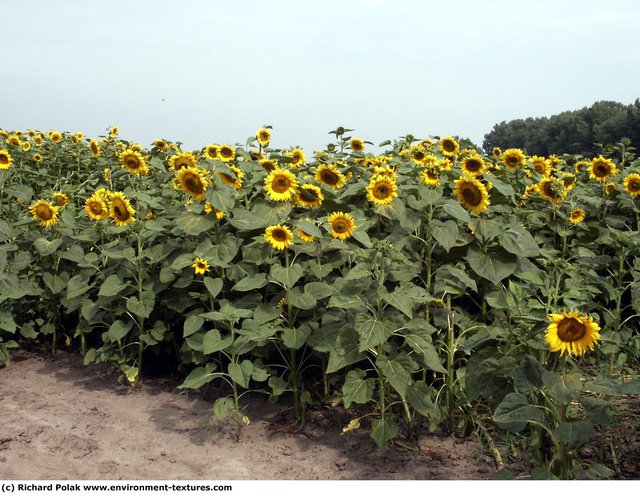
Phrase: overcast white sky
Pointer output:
(205, 72)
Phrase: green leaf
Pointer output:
(562, 387)
(46, 247)
(382, 431)
(319, 290)
(266, 313)
(445, 233)
(142, 308)
(212, 341)
(345, 351)
(222, 407)
(277, 385)
(401, 300)
(598, 411)
(296, 337)
(493, 266)
(56, 283)
(221, 199)
(192, 324)
(372, 331)
(194, 224)
(112, 286)
(421, 342)
(251, 283)
(197, 378)
(240, 373)
(346, 301)
(309, 228)
(119, 330)
(397, 372)
(357, 389)
(301, 300)
(574, 434)
(456, 210)
(77, 286)
(515, 412)
(419, 398)
(518, 240)
(287, 276)
(361, 236)
(7, 323)
(214, 286)
(599, 472)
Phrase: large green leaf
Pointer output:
(192, 324)
(198, 378)
(445, 233)
(518, 240)
(357, 389)
(240, 373)
(214, 286)
(222, 406)
(295, 337)
(574, 434)
(345, 351)
(46, 247)
(493, 266)
(254, 281)
(112, 286)
(119, 330)
(396, 372)
(142, 308)
(372, 331)
(421, 342)
(287, 276)
(419, 398)
(77, 286)
(515, 412)
(301, 300)
(400, 299)
(382, 431)
(212, 341)
(221, 198)
(194, 224)
(562, 387)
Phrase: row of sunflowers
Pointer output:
(420, 285)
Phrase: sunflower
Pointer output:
(552, 190)
(430, 160)
(449, 146)
(472, 194)
(120, 209)
(268, 164)
(103, 193)
(473, 165)
(445, 164)
(74, 139)
(96, 208)
(256, 155)
(44, 212)
(79, 136)
(278, 236)
(357, 145)
(568, 180)
(329, 175)
(114, 131)
(134, 162)
(496, 152)
(513, 157)
(264, 136)
(160, 144)
(342, 225)
(280, 185)
(14, 140)
(381, 190)
(601, 169)
(26, 146)
(309, 195)
(5, 160)
(609, 188)
(37, 157)
(106, 174)
(577, 215)
(541, 165)
(61, 199)
(631, 184)
(229, 180)
(571, 333)
(430, 176)
(37, 140)
(193, 181)
(55, 136)
(418, 154)
(304, 236)
(579, 165)
(4, 133)
(226, 153)
(95, 148)
(200, 266)
(211, 151)
(297, 157)
(182, 159)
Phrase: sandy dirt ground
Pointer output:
(62, 420)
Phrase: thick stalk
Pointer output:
(140, 319)
(450, 363)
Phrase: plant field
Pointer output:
(425, 286)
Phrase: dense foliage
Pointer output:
(427, 286)
(582, 131)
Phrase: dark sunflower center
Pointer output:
(268, 165)
(634, 185)
(308, 195)
(44, 212)
(264, 137)
(4, 160)
(340, 226)
(381, 191)
(512, 160)
(133, 162)
(419, 156)
(448, 146)
(226, 152)
(601, 170)
(473, 165)
(193, 184)
(472, 195)
(95, 208)
(329, 177)
(570, 329)
(120, 211)
(539, 168)
(281, 184)
(550, 191)
(279, 235)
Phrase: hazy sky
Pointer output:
(215, 71)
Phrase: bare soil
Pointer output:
(62, 420)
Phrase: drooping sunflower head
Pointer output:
(5, 160)
(95, 148)
(430, 176)
(193, 181)
(305, 237)
(357, 145)
(473, 165)
(381, 190)
(45, 213)
(268, 164)
(631, 184)
(134, 162)
(229, 180)
(309, 195)
(181, 160)
(541, 165)
(279, 237)
(211, 151)
(568, 180)
(226, 153)
(329, 175)
(120, 209)
(601, 169)
(297, 157)
(264, 136)
(96, 208)
(37, 141)
(512, 158)
(342, 225)
(449, 146)
(571, 333)
(114, 131)
(577, 215)
(552, 190)
(280, 185)
(472, 194)
(61, 199)
(200, 266)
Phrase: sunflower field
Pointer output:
(426, 286)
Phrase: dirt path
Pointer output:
(61, 420)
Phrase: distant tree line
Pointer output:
(576, 131)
